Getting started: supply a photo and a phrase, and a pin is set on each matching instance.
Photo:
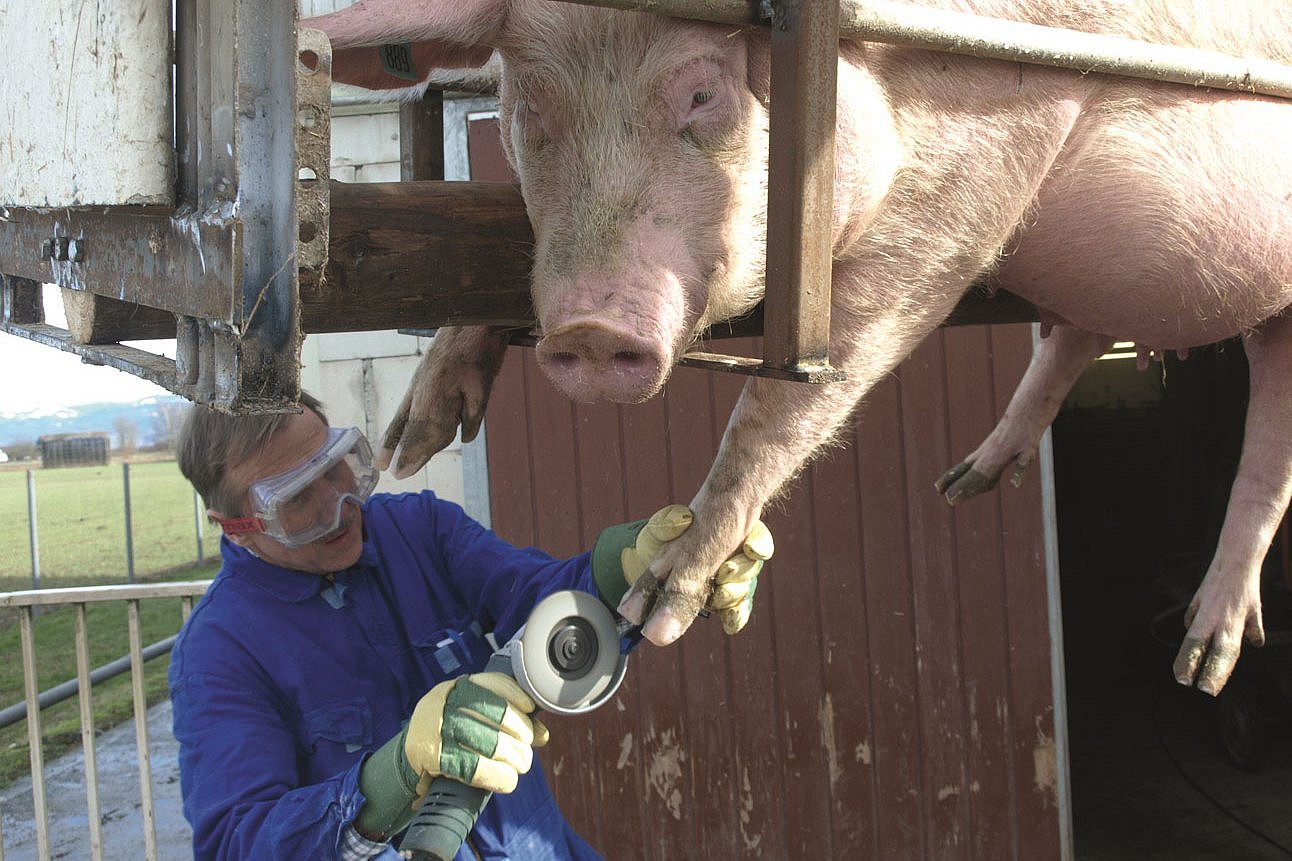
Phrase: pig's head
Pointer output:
(641, 151)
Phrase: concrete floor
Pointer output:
(1151, 783)
(120, 808)
(1149, 779)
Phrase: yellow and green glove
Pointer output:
(623, 553)
(476, 729)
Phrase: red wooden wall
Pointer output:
(891, 697)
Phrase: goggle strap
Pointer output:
(238, 525)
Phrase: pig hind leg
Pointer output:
(1227, 605)
(449, 389)
(1057, 360)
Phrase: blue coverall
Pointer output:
(281, 684)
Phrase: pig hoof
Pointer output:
(963, 482)
(951, 475)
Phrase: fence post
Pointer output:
(130, 539)
(197, 523)
(31, 528)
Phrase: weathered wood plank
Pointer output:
(422, 254)
(95, 319)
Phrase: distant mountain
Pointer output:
(149, 417)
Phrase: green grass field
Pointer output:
(80, 524)
(80, 514)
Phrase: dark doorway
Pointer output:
(1143, 462)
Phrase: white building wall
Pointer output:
(361, 377)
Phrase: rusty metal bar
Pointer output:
(21, 300)
(30, 689)
(140, 363)
(313, 148)
(190, 23)
(86, 701)
(995, 38)
(796, 305)
(143, 254)
(262, 137)
(141, 731)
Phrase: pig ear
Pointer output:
(441, 34)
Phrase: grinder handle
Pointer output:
(450, 809)
(441, 826)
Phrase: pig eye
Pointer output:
(702, 97)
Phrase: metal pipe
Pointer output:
(70, 688)
(978, 36)
(994, 38)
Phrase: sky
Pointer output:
(45, 379)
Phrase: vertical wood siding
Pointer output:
(891, 697)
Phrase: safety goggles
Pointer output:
(307, 502)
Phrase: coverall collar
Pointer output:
(288, 586)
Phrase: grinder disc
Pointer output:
(569, 651)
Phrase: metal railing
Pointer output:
(27, 603)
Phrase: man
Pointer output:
(332, 668)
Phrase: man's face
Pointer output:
(295, 440)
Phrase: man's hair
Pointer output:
(211, 442)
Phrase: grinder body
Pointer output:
(567, 657)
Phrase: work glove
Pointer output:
(475, 729)
(623, 553)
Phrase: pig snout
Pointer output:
(592, 360)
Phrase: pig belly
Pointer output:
(1170, 226)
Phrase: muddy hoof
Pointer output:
(963, 481)
(949, 477)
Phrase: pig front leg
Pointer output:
(773, 431)
(1057, 360)
(1227, 605)
(449, 388)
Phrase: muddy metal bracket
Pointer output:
(216, 266)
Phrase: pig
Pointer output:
(1156, 213)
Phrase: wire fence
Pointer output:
(113, 523)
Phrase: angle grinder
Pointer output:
(568, 658)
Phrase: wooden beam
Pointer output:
(409, 255)
(95, 319)
(422, 255)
